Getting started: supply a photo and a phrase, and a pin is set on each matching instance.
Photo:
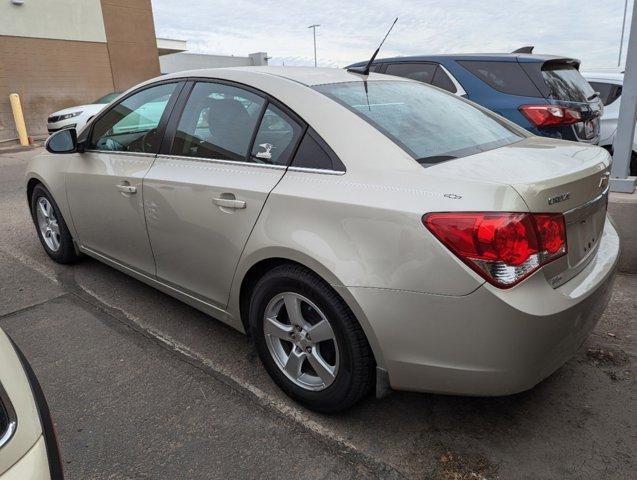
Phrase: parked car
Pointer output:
(28, 444)
(544, 94)
(362, 230)
(76, 117)
(609, 85)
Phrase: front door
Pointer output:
(203, 199)
(104, 184)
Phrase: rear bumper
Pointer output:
(492, 341)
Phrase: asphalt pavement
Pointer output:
(142, 386)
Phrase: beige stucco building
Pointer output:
(57, 54)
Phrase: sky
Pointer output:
(351, 30)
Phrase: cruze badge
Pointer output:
(559, 198)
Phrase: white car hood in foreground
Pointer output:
(18, 389)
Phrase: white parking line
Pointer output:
(262, 397)
(30, 262)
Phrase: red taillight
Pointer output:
(548, 115)
(503, 248)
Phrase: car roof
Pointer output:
(309, 76)
(501, 57)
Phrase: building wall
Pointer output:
(60, 53)
(49, 75)
(57, 19)
(179, 62)
(131, 41)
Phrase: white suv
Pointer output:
(609, 86)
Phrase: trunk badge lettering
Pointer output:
(559, 198)
(453, 196)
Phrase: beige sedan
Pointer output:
(365, 231)
(28, 445)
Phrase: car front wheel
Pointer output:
(309, 341)
(51, 227)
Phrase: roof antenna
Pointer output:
(365, 70)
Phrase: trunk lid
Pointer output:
(550, 176)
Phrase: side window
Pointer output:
(442, 80)
(608, 92)
(506, 77)
(218, 121)
(423, 72)
(314, 153)
(131, 126)
(375, 67)
(276, 138)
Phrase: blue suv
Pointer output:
(544, 94)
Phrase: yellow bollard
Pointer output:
(18, 117)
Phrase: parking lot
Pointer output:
(143, 386)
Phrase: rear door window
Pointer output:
(565, 82)
(423, 72)
(505, 77)
(608, 92)
(218, 122)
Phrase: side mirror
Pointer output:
(63, 141)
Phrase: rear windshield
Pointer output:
(566, 83)
(432, 126)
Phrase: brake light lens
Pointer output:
(503, 248)
(549, 115)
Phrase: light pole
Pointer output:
(313, 27)
(621, 42)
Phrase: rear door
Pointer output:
(226, 150)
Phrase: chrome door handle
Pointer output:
(127, 189)
(229, 203)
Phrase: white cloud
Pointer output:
(350, 31)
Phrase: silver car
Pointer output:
(365, 231)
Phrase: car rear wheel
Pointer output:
(309, 341)
(51, 227)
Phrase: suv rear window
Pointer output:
(430, 125)
(505, 77)
(566, 83)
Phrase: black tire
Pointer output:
(355, 375)
(66, 253)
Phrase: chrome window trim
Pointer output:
(316, 170)
(121, 152)
(222, 161)
(459, 90)
(12, 426)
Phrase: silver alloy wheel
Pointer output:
(301, 341)
(48, 224)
